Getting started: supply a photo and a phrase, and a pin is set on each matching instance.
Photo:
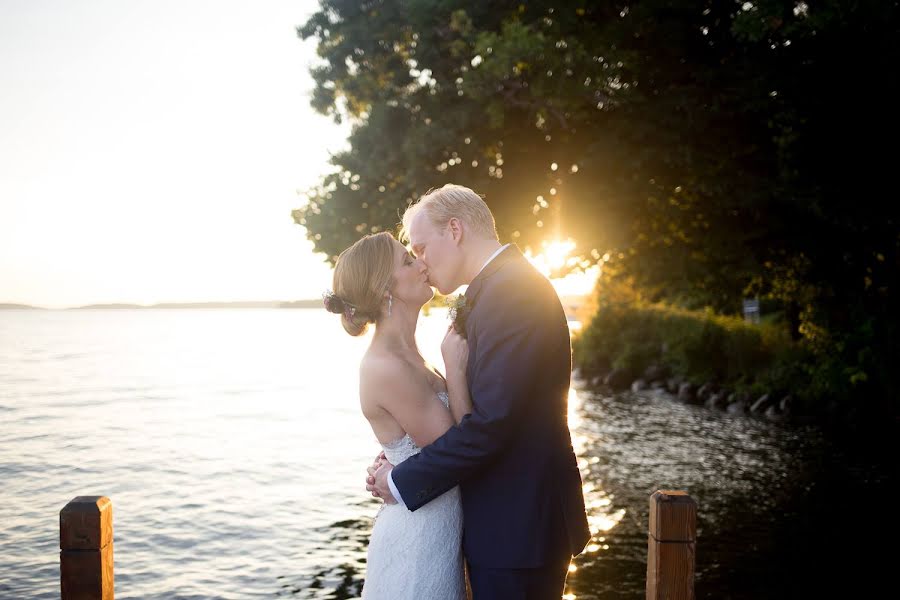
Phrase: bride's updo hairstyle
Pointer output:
(362, 275)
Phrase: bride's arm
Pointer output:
(456, 356)
(460, 401)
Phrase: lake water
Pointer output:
(233, 449)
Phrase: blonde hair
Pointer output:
(362, 275)
(448, 202)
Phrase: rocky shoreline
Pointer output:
(772, 405)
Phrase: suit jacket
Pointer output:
(512, 457)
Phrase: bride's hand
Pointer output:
(373, 468)
(455, 350)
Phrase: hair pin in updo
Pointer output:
(334, 304)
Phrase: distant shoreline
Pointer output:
(314, 303)
(571, 305)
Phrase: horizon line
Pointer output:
(174, 304)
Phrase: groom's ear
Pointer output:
(456, 229)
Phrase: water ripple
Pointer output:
(235, 461)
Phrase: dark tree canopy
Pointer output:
(703, 150)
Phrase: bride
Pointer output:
(409, 405)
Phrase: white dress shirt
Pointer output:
(394, 491)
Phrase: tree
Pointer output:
(620, 127)
(701, 149)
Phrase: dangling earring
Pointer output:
(390, 302)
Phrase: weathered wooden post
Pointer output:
(671, 546)
(86, 549)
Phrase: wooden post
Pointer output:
(86, 549)
(671, 546)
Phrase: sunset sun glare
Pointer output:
(554, 257)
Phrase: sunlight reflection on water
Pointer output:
(230, 442)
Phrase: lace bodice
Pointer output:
(401, 449)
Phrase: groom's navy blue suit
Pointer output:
(512, 457)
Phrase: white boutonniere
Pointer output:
(459, 312)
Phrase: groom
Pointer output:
(512, 457)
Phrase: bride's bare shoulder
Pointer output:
(383, 378)
(377, 367)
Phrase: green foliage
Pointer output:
(704, 151)
(698, 345)
(701, 347)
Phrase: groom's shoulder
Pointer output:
(523, 276)
(515, 267)
(518, 287)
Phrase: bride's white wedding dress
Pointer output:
(415, 555)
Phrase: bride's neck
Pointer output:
(398, 330)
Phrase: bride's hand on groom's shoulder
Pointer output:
(455, 351)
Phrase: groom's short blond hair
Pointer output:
(451, 201)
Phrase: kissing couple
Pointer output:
(481, 489)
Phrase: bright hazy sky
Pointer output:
(152, 151)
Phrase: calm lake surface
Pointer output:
(232, 446)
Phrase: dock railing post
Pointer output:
(86, 549)
(671, 546)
